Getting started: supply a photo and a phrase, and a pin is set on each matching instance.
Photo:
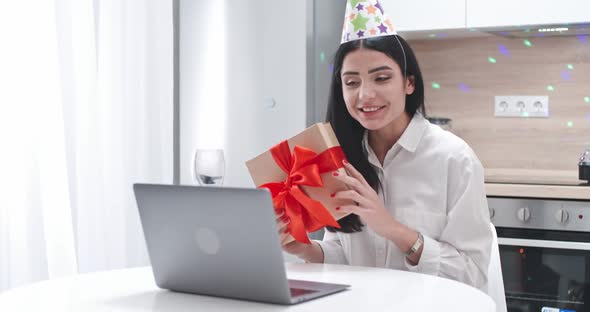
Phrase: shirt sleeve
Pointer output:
(463, 250)
(332, 248)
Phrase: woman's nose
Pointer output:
(366, 92)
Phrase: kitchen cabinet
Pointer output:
(496, 13)
(425, 14)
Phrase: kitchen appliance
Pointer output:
(544, 251)
(546, 30)
(443, 122)
(584, 165)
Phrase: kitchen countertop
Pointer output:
(538, 191)
(558, 184)
(533, 176)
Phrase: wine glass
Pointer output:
(209, 166)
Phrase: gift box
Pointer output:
(299, 174)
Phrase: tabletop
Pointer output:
(372, 289)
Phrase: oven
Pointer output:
(545, 253)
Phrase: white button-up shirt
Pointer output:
(434, 183)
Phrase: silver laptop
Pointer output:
(219, 242)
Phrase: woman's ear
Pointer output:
(410, 86)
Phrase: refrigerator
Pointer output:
(249, 74)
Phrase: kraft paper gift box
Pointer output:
(299, 174)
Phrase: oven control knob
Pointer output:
(561, 216)
(492, 213)
(523, 214)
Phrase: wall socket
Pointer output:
(521, 106)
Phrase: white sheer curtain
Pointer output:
(85, 112)
(36, 233)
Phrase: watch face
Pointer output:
(416, 245)
(420, 240)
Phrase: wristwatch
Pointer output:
(416, 245)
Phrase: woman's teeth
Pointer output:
(370, 109)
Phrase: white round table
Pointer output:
(372, 289)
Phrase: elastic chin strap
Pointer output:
(404, 53)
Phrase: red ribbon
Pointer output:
(304, 167)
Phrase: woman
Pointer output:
(420, 189)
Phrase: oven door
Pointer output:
(545, 271)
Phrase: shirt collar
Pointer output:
(410, 138)
(413, 133)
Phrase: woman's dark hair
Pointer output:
(349, 131)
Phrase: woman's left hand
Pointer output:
(369, 206)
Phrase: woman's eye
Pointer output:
(351, 83)
(383, 78)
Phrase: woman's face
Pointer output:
(374, 88)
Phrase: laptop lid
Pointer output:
(213, 241)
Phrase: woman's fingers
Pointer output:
(283, 236)
(283, 228)
(354, 184)
(358, 210)
(353, 196)
(283, 218)
(283, 223)
(354, 173)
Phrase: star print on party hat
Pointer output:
(365, 19)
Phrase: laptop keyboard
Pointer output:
(296, 292)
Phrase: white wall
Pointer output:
(265, 58)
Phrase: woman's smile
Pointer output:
(372, 111)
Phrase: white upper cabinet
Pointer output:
(487, 13)
(425, 14)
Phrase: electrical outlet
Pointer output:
(521, 106)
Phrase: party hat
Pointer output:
(365, 19)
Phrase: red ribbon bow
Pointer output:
(304, 167)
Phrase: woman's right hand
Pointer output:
(308, 252)
(294, 247)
